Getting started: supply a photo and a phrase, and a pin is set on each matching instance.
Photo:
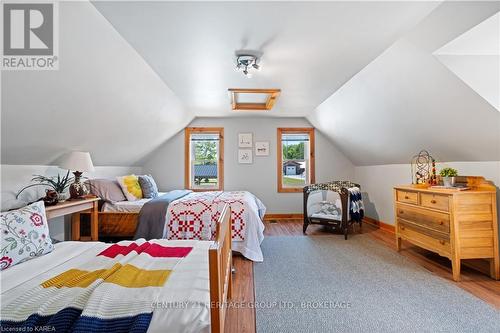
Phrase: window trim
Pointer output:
(312, 164)
(187, 156)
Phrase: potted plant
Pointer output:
(58, 184)
(448, 175)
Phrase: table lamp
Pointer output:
(78, 162)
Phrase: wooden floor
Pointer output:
(243, 319)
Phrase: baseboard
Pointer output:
(384, 226)
(283, 217)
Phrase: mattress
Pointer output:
(187, 286)
(126, 206)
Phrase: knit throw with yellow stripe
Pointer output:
(113, 292)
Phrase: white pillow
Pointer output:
(24, 234)
(130, 187)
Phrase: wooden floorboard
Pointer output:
(243, 320)
(239, 318)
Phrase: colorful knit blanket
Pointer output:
(111, 292)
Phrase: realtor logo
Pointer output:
(29, 36)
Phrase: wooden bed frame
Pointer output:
(122, 225)
(220, 265)
(115, 224)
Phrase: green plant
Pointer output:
(293, 151)
(448, 172)
(58, 184)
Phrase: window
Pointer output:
(295, 158)
(204, 168)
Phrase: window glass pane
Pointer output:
(204, 160)
(295, 154)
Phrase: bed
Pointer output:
(193, 216)
(40, 295)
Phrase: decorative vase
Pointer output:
(448, 181)
(77, 189)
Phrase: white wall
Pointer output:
(15, 177)
(167, 163)
(377, 182)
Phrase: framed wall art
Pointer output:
(245, 156)
(262, 148)
(245, 140)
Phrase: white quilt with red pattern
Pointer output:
(195, 216)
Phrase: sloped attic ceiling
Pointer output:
(133, 74)
(309, 48)
(475, 58)
(407, 100)
(104, 99)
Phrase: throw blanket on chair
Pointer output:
(111, 292)
(153, 214)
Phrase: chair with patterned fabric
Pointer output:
(337, 204)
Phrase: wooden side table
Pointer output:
(76, 207)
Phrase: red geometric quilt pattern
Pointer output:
(195, 216)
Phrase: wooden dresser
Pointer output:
(455, 224)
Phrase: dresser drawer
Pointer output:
(424, 218)
(421, 237)
(406, 196)
(436, 201)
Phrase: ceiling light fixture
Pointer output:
(246, 63)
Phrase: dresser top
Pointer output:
(484, 188)
(476, 184)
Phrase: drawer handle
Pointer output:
(441, 223)
(441, 242)
(433, 201)
(401, 212)
(402, 228)
(407, 197)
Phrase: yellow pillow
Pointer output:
(130, 187)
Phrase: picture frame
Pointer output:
(245, 140)
(245, 156)
(262, 148)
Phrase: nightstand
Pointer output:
(75, 207)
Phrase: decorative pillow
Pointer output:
(148, 186)
(130, 187)
(107, 189)
(25, 234)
